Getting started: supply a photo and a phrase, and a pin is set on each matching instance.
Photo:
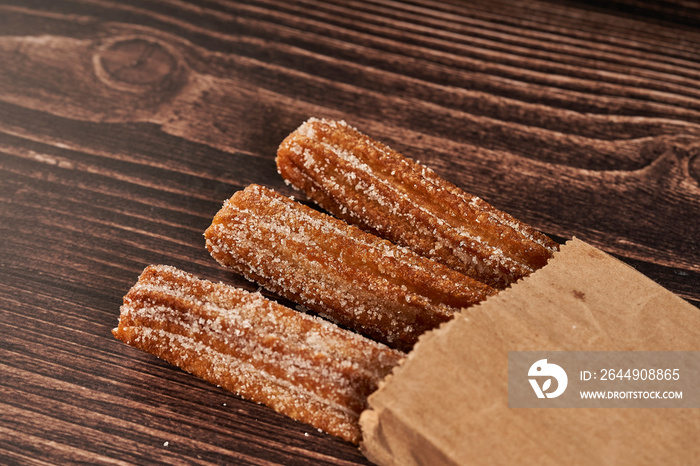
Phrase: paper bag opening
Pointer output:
(448, 401)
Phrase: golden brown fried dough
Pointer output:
(384, 291)
(299, 365)
(374, 187)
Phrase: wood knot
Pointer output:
(694, 164)
(686, 150)
(137, 64)
(672, 153)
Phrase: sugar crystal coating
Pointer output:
(374, 187)
(382, 290)
(299, 365)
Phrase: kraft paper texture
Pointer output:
(447, 404)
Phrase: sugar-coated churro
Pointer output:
(384, 291)
(374, 187)
(299, 365)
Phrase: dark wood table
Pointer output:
(125, 124)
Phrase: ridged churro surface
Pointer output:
(384, 291)
(297, 364)
(374, 187)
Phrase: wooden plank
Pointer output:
(125, 124)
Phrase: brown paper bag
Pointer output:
(448, 402)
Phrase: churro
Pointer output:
(374, 187)
(299, 365)
(382, 290)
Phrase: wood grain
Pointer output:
(125, 124)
